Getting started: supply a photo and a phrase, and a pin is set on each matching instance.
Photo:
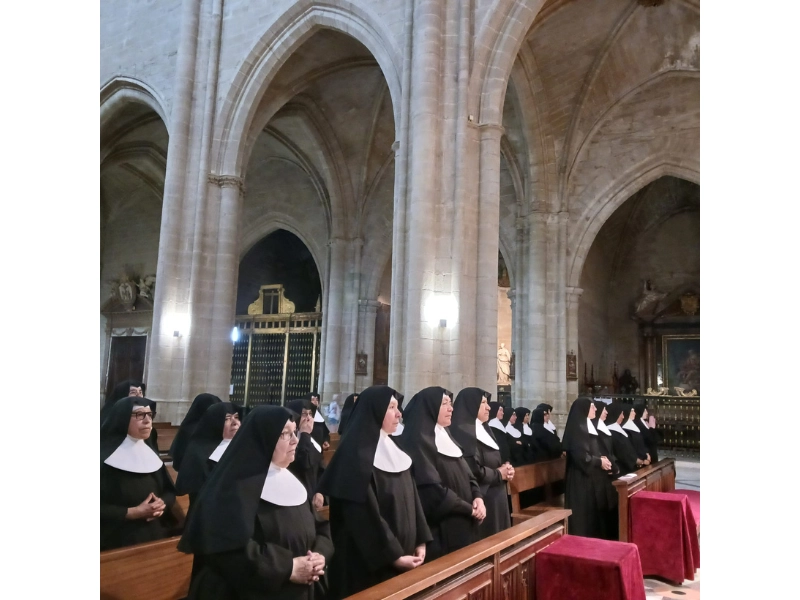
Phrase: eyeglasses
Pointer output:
(287, 435)
(232, 417)
(306, 413)
(139, 415)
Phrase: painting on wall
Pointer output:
(681, 356)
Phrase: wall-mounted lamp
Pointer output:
(177, 323)
(441, 308)
(235, 335)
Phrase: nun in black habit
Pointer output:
(450, 495)
(516, 447)
(607, 504)
(129, 388)
(253, 530)
(624, 452)
(211, 438)
(196, 411)
(376, 516)
(347, 410)
(482, 453)
(308, 454)
(521, 425)
(546, 441)
(584, 467)
(635, 434)
(320, 433)
(136, 492)
(497, 421)
(649, 435)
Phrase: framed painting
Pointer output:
(681, 358)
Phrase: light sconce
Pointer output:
(441, 308)
(177, 323)
(235, 335)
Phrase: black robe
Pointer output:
(321, 433)
(624, 452)
(517, 451)
(120, 490)
(306, 463)
(547, 442)
(501, 437)
(637, 440)
(263, 567)
(369, 536)
(608, 524)
(651, 439)
(448, 507)
(484, 465)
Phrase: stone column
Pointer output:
(368, 310)
(556, 316)
(330, 377)
(573, 339)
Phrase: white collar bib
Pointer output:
(513, 431)
(483, 436)
(219, 450)
(444, 444)
(603, 427)
(134, 456)
(590, 426)
(550, 427)
(388, 457)
(318, 418)
(617, 428)
(314, 443)
(526, 429)
(631, 426)
(281, 487)
(496, 424)
(399, 430)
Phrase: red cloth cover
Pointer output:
(579, 568)
(664, 529)
(694, 502)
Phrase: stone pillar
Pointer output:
(573, 338)
(368, 310)
(556, 316)
(330, 377)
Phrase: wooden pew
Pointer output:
(500, 566)
(659, 477)
(528, 477)
(155, 570)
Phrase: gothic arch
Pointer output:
(122, 90)
(277, 44)
(603, 207)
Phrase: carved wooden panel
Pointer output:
(474, 584)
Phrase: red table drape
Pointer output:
(694, 502)
(579, 568)
(665, 531)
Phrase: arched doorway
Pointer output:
(277, 336)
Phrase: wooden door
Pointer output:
(126, 361)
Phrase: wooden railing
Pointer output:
(659, 477)
(500, 566)
(528, 477)
(154, 570)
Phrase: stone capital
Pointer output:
(370, 305)
(223, 181)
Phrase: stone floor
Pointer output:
(655, 589)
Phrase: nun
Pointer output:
(211, 438)
(548, 444)
(320, 433)
(196, 411)
(253, 530)
(622, 447)
(608, 500)
(516, 449)
(400, 427)
(497, 416)
(124, 389)
(450, 495)
(378, 525)
(526, 437)
(471, 431)
(635, 434)
(347, 410)
(584, 466)
(308, 454)
(548, 424)
(136, 492)
(649, 434)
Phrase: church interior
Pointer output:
(304, 197)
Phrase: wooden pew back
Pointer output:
(500, 566)
(155, 570)
(528, 477)
(659, 477)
